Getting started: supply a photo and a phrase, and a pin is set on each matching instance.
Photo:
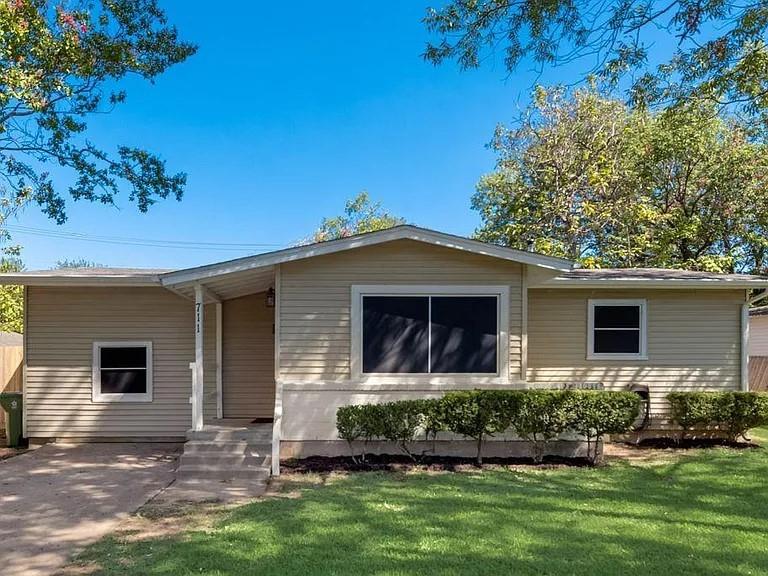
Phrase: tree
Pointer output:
(59, 64)
(587, 178)
(11, 297)
(720, 52)
(360, 215)
(76, 263)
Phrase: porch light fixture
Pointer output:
(270, 298)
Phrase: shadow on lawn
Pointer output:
(702, 515)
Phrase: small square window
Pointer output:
(617, 330)
(122, 372)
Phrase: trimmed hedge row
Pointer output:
(733, 413)
(537, 416)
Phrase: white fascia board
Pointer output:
(659, 283)
(330, 247)
(85, 281)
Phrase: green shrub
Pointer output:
(734, 413)
(359, 422)
(598, 413)
(476, 414)
(401, 421)
(539, 416)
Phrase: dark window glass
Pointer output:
(464, 334)
(123, 381)
(120, 357)
(617, 316)
(617, 341)
(395, 334)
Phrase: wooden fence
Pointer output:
(758, 373)
(11, 373)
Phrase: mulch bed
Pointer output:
(690, 443)
(388, 462)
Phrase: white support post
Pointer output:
(197, 379)
(745, 346)
(219, 360)
(277, 421)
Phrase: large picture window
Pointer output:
(122, 372)
(429, 332)
(617, 329)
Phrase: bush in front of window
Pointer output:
(476, 414)
(537, 416)
(733, 413)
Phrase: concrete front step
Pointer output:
(223, 473)
(250, 435)
(248, 457)
(226, 447)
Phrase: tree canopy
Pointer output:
(585, 177)
(11, 297)
(718, 49)
(361, 214)
(59, 64)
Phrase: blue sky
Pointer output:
(282, 115)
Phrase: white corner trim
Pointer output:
(96, 393)
(524, 324)
(745, 346)
(356, 332)
(641, 303)
(25, 354)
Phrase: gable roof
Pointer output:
(402, 232)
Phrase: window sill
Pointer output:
(641, 358)
(121, 398)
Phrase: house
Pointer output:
(758, 348)
(283, 339)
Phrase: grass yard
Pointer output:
(701, 513)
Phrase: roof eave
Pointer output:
(654, 283)
(84, 281)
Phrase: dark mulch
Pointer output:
(662, 443)
(389, 462)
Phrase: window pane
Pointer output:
(617, 316)
(464, 334)
(123, 381)
(617, 341)
(118, 357)
(395, 333)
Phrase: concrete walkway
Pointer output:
(58, 498)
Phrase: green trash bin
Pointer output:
(12, 403)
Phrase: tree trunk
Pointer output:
(480, 452)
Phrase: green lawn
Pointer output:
(704, 513)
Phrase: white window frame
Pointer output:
(502, 342)
(97, 395)
(639, 302)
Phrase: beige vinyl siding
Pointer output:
(758, 336)
(316, 295)
(694, 341)
(249, 358)
(63, 323)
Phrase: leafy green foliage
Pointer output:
(540, 416)
(11, 297)
(734, 413)
(721, 54)
(586, 178)
(361, 215)
(59, 64)
(475, 414)
(599, 413)
(76, 263)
